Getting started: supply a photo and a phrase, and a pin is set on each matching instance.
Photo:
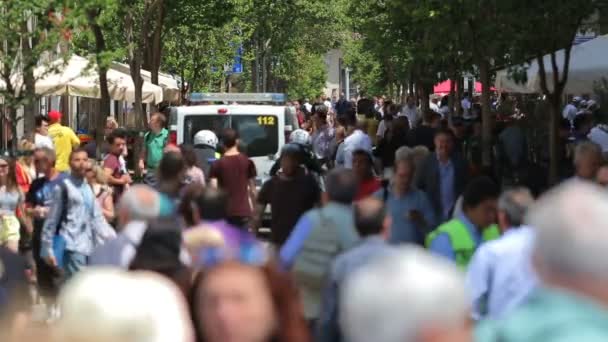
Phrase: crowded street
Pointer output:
(387, 171)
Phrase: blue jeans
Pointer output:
(73, 263)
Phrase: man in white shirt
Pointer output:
(500, 276)
(411, 111)
(571, 109)
(307, 105)
(356, 140)
(41, 138)
(434, 105)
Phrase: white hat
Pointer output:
(577, 99)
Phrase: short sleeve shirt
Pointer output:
(233, 174)
(287, 208)
(155, 144)
(113, 162)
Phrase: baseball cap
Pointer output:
(55, 116)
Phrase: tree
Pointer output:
(546, 27)
(94, 21)
(27, 34)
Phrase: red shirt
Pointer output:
(368, 187)
(233, 174)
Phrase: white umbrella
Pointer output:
(79, 77)
(170, 87)
(588, 65)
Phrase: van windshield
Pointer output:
(259, 134)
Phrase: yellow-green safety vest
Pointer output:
(461, 240)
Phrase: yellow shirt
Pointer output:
(64, 139)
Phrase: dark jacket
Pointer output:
(206, 156)
(427, 179)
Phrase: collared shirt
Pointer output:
(446, 187)
(64, 140)
(549, 315)
(356, 141)
(84, 226)
(155, 144)
(500, 276)
(343, 266)
(443, 246)
(321, 142)
(403, 230)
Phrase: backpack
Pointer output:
(324, 242)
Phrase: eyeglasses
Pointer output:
(3, 166)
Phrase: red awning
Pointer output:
(444, 87)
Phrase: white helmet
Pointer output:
(205, 137)
(300, 136)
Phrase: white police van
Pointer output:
(262, 121)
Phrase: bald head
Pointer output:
(370, 216)
(572, 232)
(139, 203)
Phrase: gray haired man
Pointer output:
(138, 205)
(499, 276)
(569, 252)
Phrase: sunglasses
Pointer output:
(3, 166)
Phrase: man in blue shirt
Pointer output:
(373, 225)
(318, 237)
(410, 209)
(76, 217)
(500, 275)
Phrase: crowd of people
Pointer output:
(381, 229)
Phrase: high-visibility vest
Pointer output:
(461, 240)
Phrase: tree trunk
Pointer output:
(29, 110)
(104, 102)
(555, 154)
(459, 94)
(12, 111)
(486, 114)
(424, 92)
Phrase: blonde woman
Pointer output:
(24, 168)
(11, 202)
(103, 193)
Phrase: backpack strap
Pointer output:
(64, 208)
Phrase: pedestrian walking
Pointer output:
(332, 227)
(41, 136)
(116, 172)
(568, 249)
(64, 140)
(356, 139)
(170, 181)
(194, 173)
(363, 167)
(12, 201)
(458, 238)
(500, 275)
(205, 147)
(235, 174)
(278, 192)
(38, 202)
(373, 225)
(268, 309)
(443, 175)
(138, 205)
(323, 134)
(122, 307)
(407, 295)
(411, 212)
(75, 224)
(155, 141)
(97, 179)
